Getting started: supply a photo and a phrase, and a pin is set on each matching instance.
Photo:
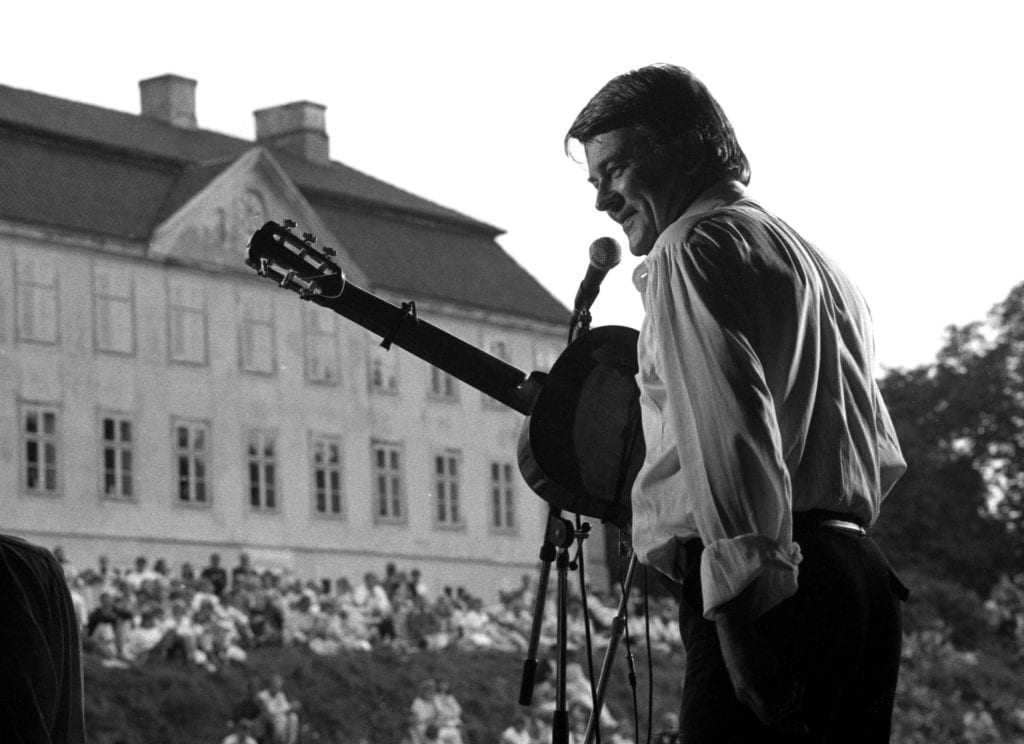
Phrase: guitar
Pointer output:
(581, 444)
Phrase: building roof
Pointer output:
(460, 266)
(84, 168)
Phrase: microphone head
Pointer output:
(605, 254)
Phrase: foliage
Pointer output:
(954, 696)
(1005, 609)
(940, 604)
(344, 698)
(961, 425)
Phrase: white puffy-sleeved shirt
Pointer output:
(757, 399)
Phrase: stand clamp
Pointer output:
(408, 311)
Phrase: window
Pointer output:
(36, 290)
(262, 470)
(499, 349)
(40, 441)
(326, 457)
(503, 514)
(383, 370)
(446, 489)
(322, 362)
(544, 357)
(116, 432)
(442, 385)
(112, 302)
(257, 335)
(389, 490)
(187, 317)
(191, 461)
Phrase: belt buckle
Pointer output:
(842, 524)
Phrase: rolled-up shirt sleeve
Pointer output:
(710, 420)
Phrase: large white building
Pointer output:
(158, 398)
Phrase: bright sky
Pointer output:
(888, 132)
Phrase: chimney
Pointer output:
(170, 98)
(298, 128)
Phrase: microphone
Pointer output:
(604, 256)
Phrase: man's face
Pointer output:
(643, 190)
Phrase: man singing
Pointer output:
(769, 448)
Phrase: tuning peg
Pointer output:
(309, 237)
(328, 251)
(288, 223)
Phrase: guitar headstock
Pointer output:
(292, 261)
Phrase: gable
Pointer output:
(215, 209)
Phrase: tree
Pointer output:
(959, 510)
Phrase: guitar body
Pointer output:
(582, 444)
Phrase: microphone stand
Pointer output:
(579, 325)
(559, 536)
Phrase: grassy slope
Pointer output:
(344, 698)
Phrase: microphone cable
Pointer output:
(580, 559)
(629, 648)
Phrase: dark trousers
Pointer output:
(840, 635)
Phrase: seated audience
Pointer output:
(144, 615)
(448, 714)
(105, 627)
(281, 712)
(423, 711)
(239, 734)
(243, 572)
(215, 574)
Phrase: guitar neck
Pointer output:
(400, 326)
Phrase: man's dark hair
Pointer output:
(674, 104)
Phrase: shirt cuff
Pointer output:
(729, 566)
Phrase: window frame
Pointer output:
(120, 450)
(25, 407)
(28, 290)
(249, 323)
(177, 452)
(175, 311)
(101, 299)
(261, 461)
(446, 490)
(341, 513)
(498, 347)
(389, 362)
(502, 489)
(391, 474)
(311, 333)
(442, 387)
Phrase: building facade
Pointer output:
(160, 399)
